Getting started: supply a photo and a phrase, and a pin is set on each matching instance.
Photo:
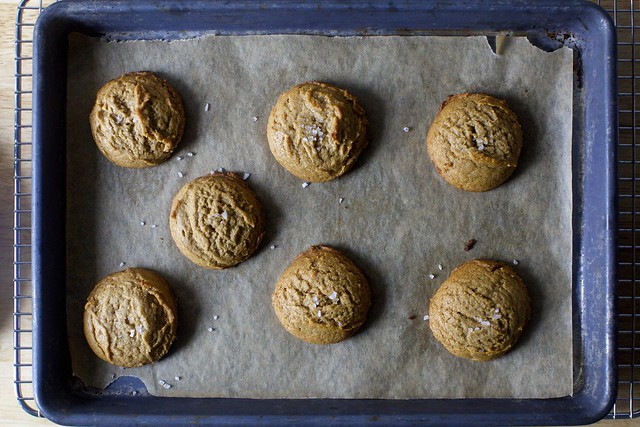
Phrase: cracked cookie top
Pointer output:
(216, 220)
(130, 318)
(322, 297)
(317, 131)
(474, 141)
(480, 311)
(137, 120)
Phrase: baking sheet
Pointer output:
(398, 220)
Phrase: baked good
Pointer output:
(216, 220)
(130, 318)
(322, 297)
(475, 141)
(480, 311)
(137, 120)
(316, 131)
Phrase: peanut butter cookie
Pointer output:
(480, 311)
(475, 141)
(130, 318)
(137, 120)
(316, 131)
(216, 220)
(322, 297)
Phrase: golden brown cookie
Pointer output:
(475, 141)
(130, 318)
(137, 120)
(322, 297)
(480, 311)
(216, 220)
(316, 131)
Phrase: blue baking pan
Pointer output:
(581, 25)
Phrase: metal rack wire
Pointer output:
(26, 16)
(623, 13)
(628, 400)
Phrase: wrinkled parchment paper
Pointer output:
(397, 220)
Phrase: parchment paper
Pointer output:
(398, 219)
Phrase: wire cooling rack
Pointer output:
(26, 16)
(627, 23)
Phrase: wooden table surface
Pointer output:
(11, 414)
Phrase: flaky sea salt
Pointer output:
(314, 134)
(246, 176)
(122, 264)
(134, 392)
(426, 317)
(340, 200)
(180, 174)
(319, 313)
(154, 225)
(190, 154)
(333, 295)
(177, 378)
(179, 157)
(485, 323)
(406, 128)
(220, 170)
(255, 118)
(305, 184)
(440, 267)
(516, 262)
(432, 276)
(162, 382)
(496, 316)
(210, 329)
(216, 317)
(142, 223)
(132, 333)
(206, 106)
(166, 385)
(225, 215)
(272, 247)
